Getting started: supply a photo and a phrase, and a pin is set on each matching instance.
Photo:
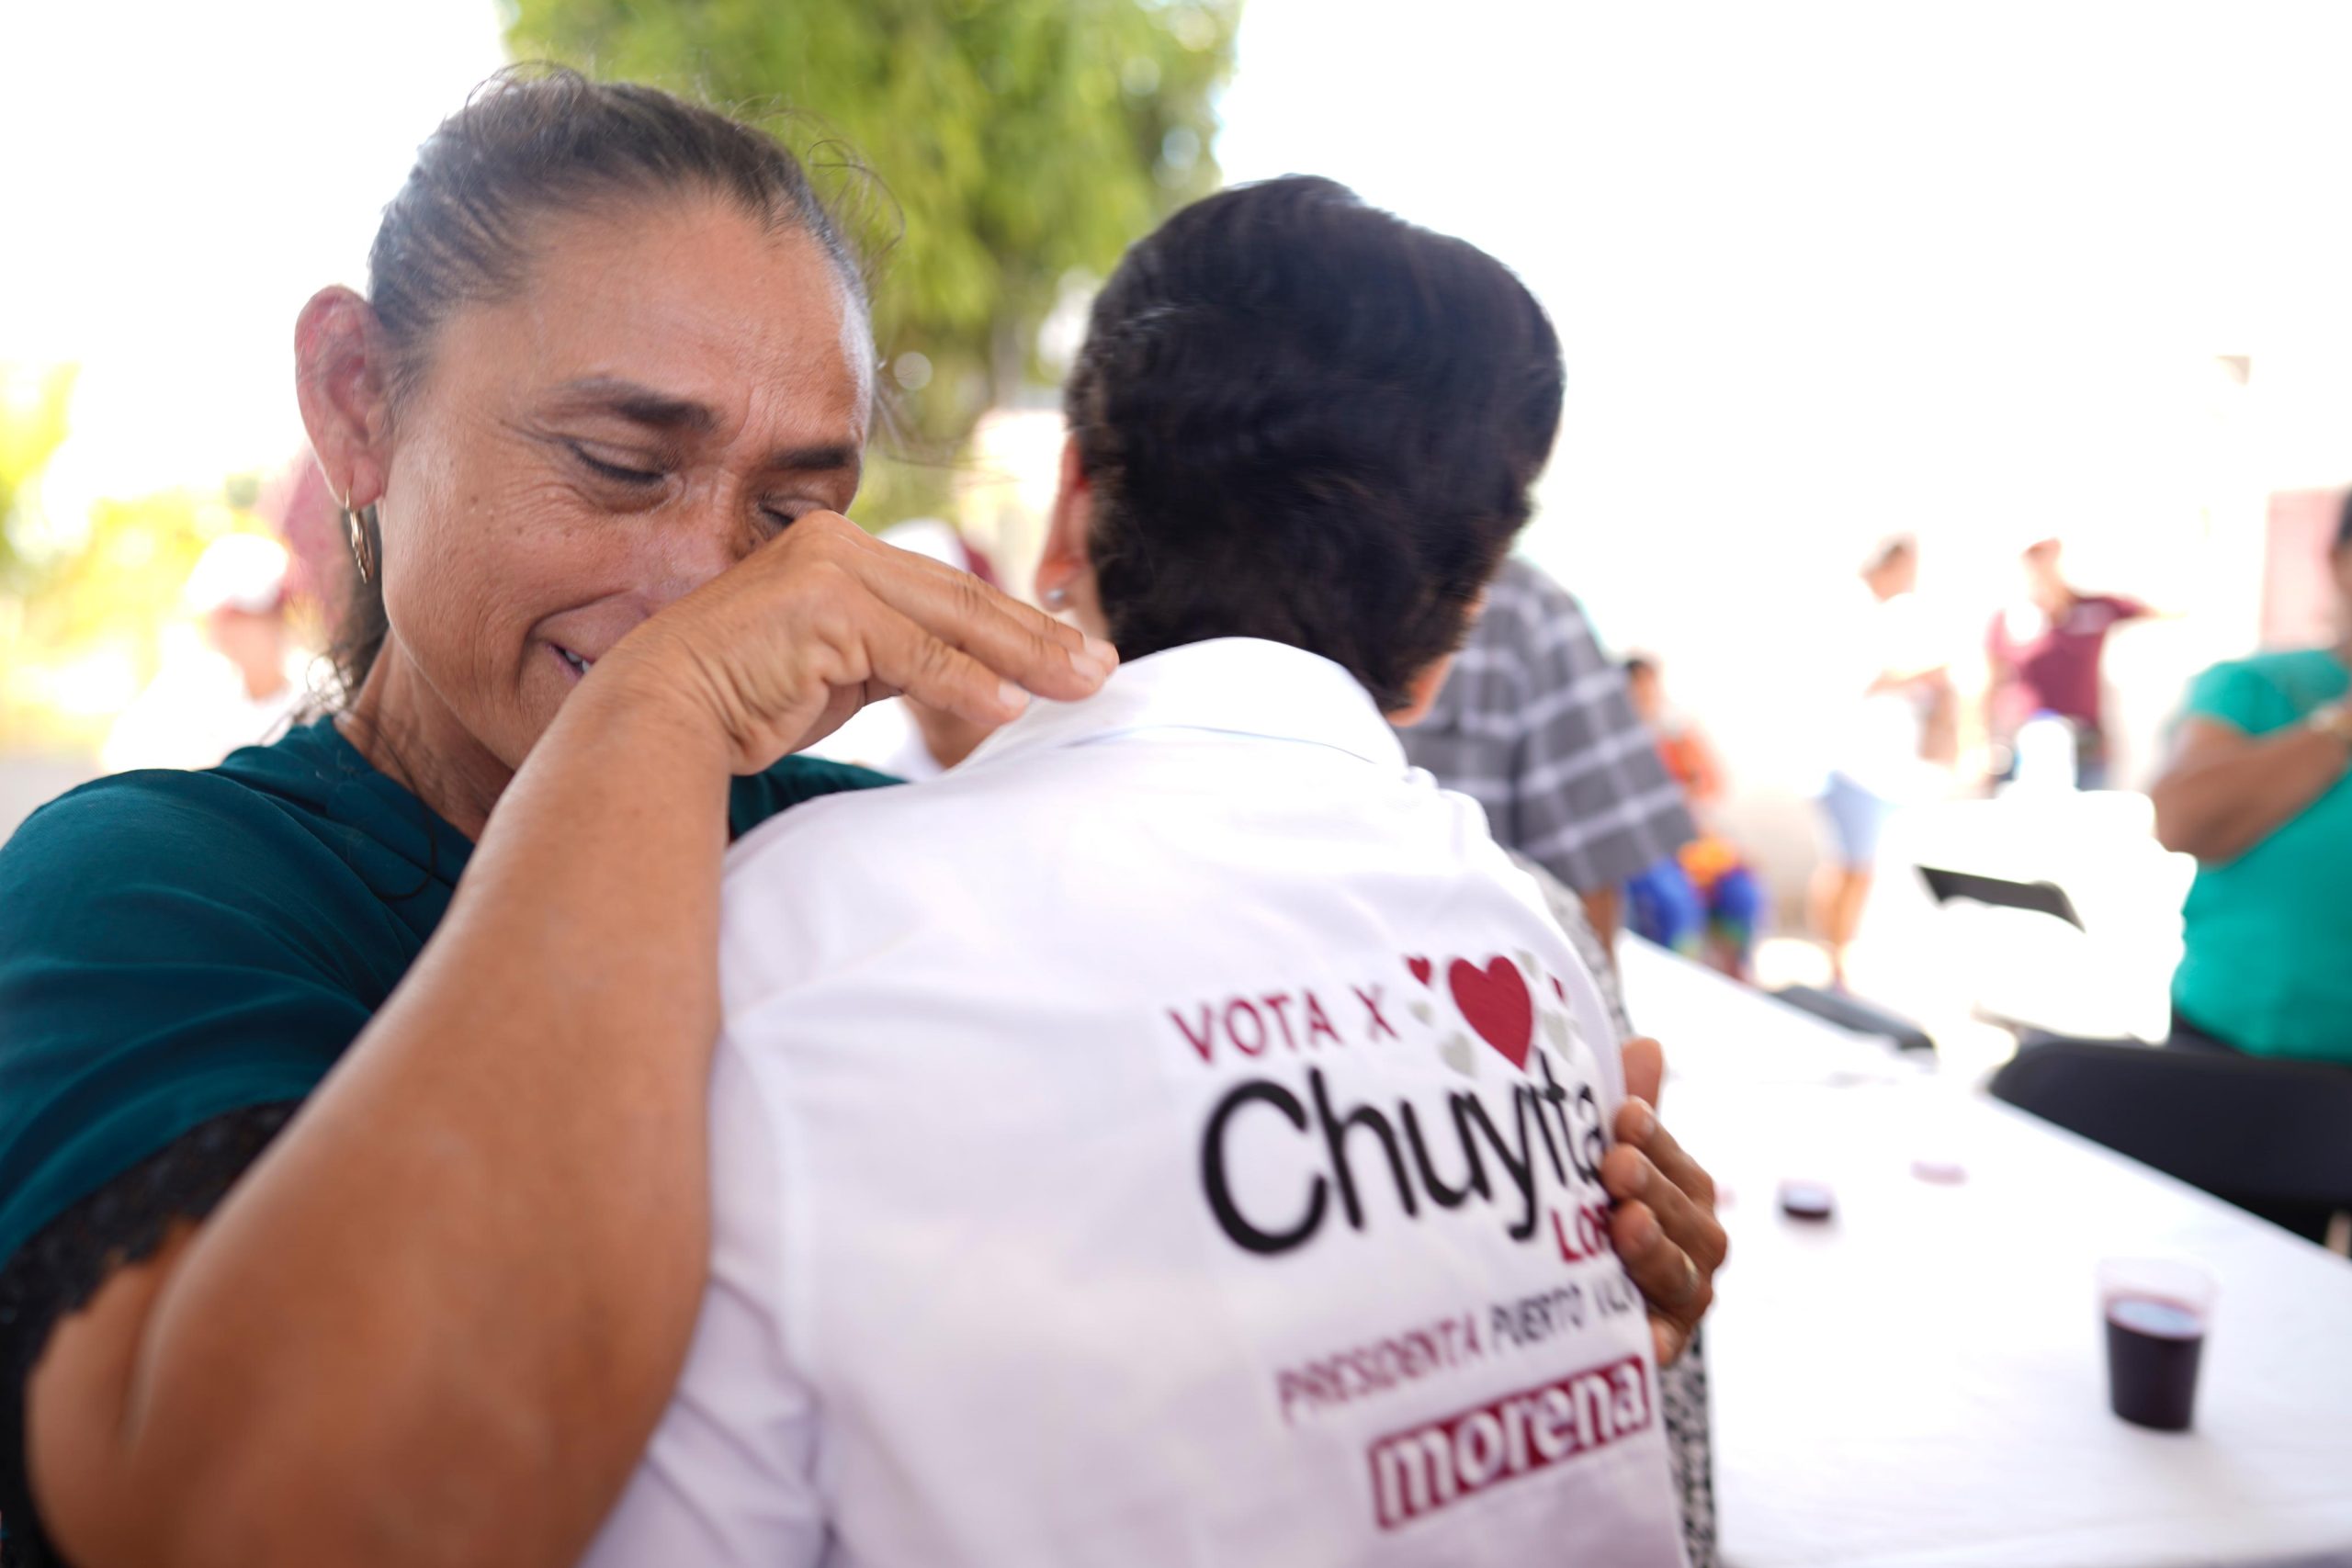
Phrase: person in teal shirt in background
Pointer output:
(2259, 790)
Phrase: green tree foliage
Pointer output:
(33, 424)
(75, 649)
(1023, 144)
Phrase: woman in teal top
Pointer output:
(340, 875)
(2260, 792)
(594, 425)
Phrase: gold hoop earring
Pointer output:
(359, 531)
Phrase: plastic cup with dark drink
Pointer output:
(2158, 1310)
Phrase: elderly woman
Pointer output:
(352, 1094)
(2259, 790)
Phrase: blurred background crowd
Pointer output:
(1947, 385)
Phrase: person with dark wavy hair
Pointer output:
(1181, 1133)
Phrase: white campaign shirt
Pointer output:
(1167, 1139)
(882, 735)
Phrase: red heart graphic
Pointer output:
(1421, 968)
(1496, 1002)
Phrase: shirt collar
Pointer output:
(1227, 686)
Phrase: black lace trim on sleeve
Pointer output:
(56, 1273)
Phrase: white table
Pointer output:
(1922, 1381)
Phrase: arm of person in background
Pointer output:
(1927, 678)
(435, 1322)
(1939, 725)
(1604, 911)
(2226, 791)
(1705, 785)
(1999, 665)
(2000, 673)
(1996, 710)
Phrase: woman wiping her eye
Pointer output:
(353, 1167)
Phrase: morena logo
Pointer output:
(1434, 1465)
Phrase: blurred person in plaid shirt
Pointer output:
(1536, 726)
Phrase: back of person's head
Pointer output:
(1893, 566)
(1302, 419)
(1892, 553)
(1643, 683)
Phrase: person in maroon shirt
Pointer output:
(2045, 654)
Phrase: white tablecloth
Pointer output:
(1922, 1381)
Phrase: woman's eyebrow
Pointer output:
(814, 459)
(640, 404)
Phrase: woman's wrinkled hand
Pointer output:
(1665, 1227)
(778, 650)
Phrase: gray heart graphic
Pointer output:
(1456, 1053)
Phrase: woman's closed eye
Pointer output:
(782, 515)
(618, 467)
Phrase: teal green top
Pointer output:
(2268, 965)
(175, 946)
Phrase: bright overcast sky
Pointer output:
(1726, 203)
(1825, 272)
(1891, 239)
(1821, 271)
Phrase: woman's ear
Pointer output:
(1424, 688)
(340, 380)
(1064, 581)
(1421, 694)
